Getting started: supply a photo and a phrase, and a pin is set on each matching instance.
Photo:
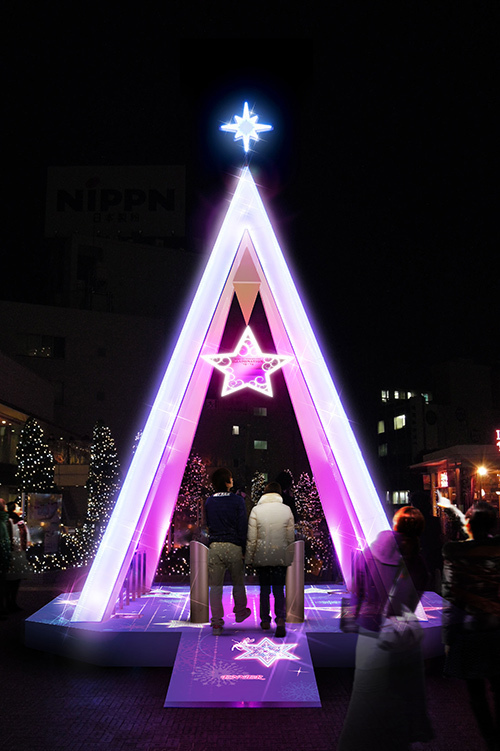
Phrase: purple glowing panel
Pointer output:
(242, 669)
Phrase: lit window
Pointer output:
(381, 427)
(400, 497)
(382, 449)
(385, 395)
(260, 411)
(410, 394)
(236, 430)
(38, 345)
(396, 394)
(399, 422)
(260, 445)
(426, 397)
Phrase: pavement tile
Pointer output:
(55, 704)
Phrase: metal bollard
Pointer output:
(198, 554)
(295, 584)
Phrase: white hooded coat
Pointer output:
(270, 532)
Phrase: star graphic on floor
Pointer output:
(247, 367)
(266, 651)
(246, 128)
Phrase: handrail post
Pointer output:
(295, 584)
(198, 573)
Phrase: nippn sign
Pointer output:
(115, 200)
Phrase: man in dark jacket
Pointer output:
(227, 529)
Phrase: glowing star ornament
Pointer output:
(247, 367)
(265, 651)
(246, 128)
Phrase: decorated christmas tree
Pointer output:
(188, 520)
(35, 463)
(104, 479)
(319, 553)
(103, 484)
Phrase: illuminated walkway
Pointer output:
(54, 703)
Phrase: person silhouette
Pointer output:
(227, 530)
(471, 618)
(388, 709)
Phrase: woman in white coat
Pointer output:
(270, 532)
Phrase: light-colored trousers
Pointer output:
(224, 556)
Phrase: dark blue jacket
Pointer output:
(226, 519)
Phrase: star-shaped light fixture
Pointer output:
(246, 128)
(247, 367)
(266, 651)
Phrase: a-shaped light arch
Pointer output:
(146, 502)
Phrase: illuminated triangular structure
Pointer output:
(246, 258)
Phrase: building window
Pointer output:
(382, 449)
(385, 395)
(400, 497)
(41, 345)
(260, 411)
(235, 430)
(381, 427)
(399, 422)
(260, 445)
(426, 397)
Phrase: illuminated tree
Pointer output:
(104, 479)
(35, 463)
(188, 520)
(319, 554)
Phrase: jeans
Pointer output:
(222, 556)
(272, 577)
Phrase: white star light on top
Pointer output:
(246, 128)
(266, 651)
(247, 366)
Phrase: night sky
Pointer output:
(379, 175)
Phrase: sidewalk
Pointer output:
(51, 703)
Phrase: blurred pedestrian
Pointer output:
(387, 710)
(270, 533)
(4, 556)
(471, 618)
(431, 540)
(20, 540)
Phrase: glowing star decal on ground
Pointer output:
(247, 367)
(246, 128)
(266, 651)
